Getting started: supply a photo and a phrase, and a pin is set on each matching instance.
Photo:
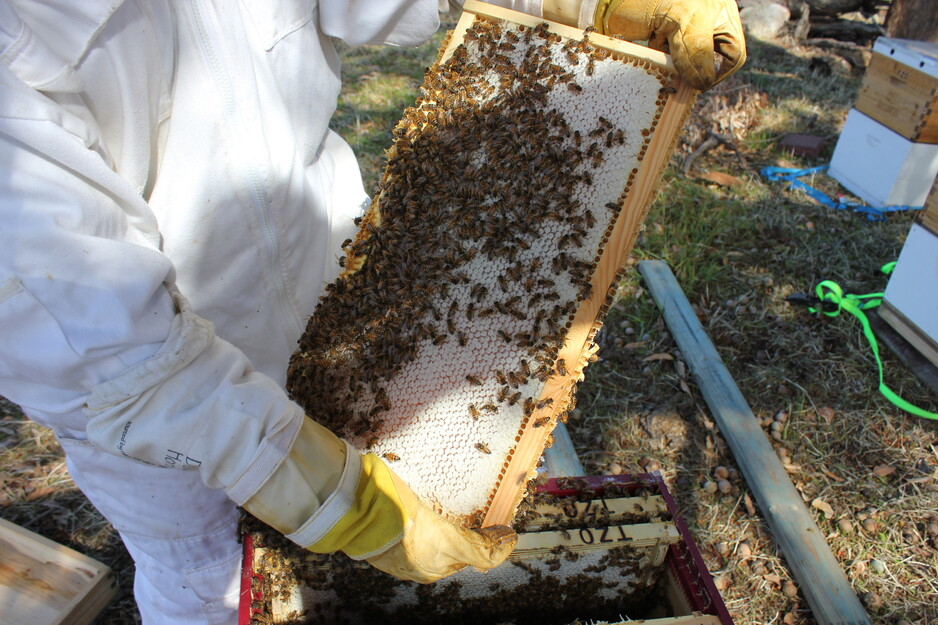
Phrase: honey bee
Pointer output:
(540, 422)
(514, 399)
(390, 457)
(483, 448)
(490, 408)
(474, 412)
(471, 379)
(461, 338)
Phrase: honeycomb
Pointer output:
(453, 340)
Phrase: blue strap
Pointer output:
(791, 175)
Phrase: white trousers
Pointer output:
(181, 534)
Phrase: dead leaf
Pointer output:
(684, 386)
(826, 412)
(40, 492)
(724, 180)
(634, 345)
(772, 578)
(747, 501)
(883, 470)
(833, 476)
(681, 368)
(823, 506)
(654, 357)
(789, 618)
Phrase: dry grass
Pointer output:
(737, 253)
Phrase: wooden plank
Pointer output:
(44, 583)
(639, 535)
(832, 599)
(608, 511)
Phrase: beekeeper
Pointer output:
(172, 204)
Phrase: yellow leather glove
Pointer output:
(325, 497)
(691, 31)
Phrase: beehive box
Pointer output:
(590, 548)
(465, 315)
(900, 88)
(44, 583)
(881, 166)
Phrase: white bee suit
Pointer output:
(171, 204)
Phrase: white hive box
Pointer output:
(880, 166)
(910, 305)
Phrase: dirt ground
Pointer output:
(738, 245)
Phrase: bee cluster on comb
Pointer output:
(447, 345)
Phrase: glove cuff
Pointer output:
(337, 505)
(374, 522)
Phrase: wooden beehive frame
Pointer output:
(669, 104)
(634, 208)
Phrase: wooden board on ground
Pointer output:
(515, 188)
(832, 599)
(44, 583)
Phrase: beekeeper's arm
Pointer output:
(92, 329)
(691, 31)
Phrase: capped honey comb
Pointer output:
(453, 340)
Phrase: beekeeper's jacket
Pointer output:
(165, 163)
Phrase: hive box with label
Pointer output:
(900, 88)
(887, 153)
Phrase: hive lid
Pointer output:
(920, 55)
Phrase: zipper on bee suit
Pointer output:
(258, 197)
